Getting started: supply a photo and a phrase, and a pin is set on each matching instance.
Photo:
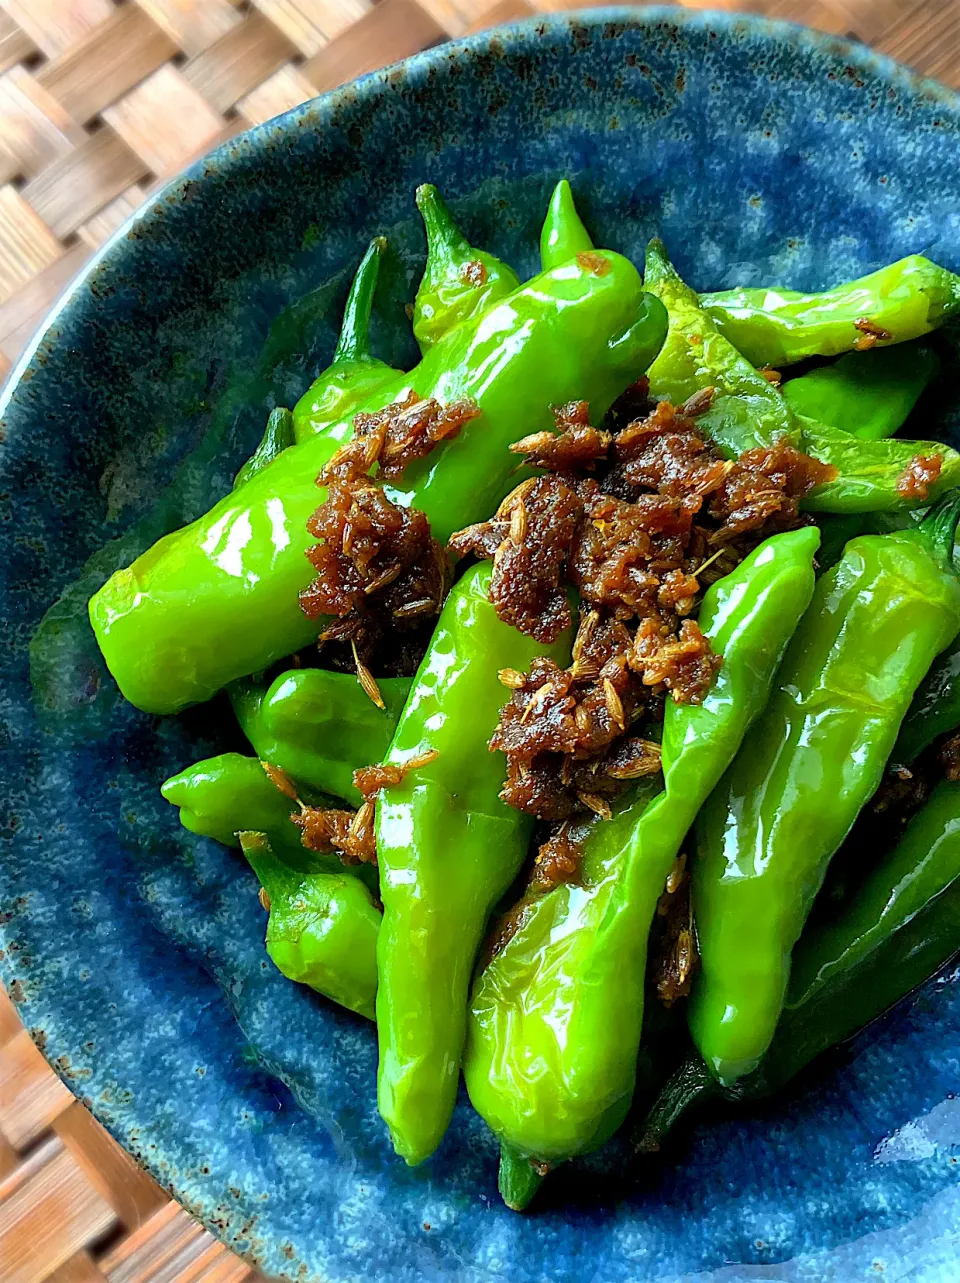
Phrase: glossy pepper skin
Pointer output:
(222, 796)
(448, 849)
(319, 726)
(868, 394)
(563, 234)
(749, 412)
(220, 599)
(354, 374)
(899, 928)
(764, 840)
(905, 300)
(277, 435)
(556, 1015)
(322, 929)
(935, 709)
(459, 281)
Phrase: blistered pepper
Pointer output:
(220, 599)
(448, 849)
(764, 840)
(319, 726)
(322, 929)
(776, 327)
(563, 234)
(556, 1015)
(222, 796)
(749, 412)
(868, 394)
(897, 930)
(459, 281)
(354, 374)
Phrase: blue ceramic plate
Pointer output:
(762, 153)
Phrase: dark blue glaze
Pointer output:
(133, 949)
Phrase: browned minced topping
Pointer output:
(576, 446)
(349, 833)
(531, 533)
(870, 334)
(397, 436)
(473, 273)
(919, 475)
(674, 958)
(383, 775)
(558, 859)
(379, 570)
(638, 520)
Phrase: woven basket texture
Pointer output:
(99, 104)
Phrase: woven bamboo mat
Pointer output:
(100, 103)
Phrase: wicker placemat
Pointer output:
(99, 103)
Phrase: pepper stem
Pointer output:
(278, 880)
(940, 525)
(518, 1181)
(354, 341)
(445, 241)
(277, 436)
(563, 234)
(689, 1085)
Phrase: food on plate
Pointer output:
(601, 677)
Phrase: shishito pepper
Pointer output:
(869, 394)
(764, 840)
(221, 796)
(354, 374)
(319, 726)
(556, 1015)
(776, 327)
(459, 281)
(563, 234)
(749, 412)
(220, 599)
(897, 930)
(322, 929)
(448, 849)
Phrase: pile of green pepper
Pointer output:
(840, 650)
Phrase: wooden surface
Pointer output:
(100, 103)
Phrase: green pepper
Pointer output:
(777, 327)
(869, 394)
(220, 599)
(322, 929)
(899, 928)
(749, 412)
(221, 796)
(354, 374)
(563, 234)
(458, 281)
(319, 726)
(556, 1016)
(764, 840)
(448, 849)
(277, 436)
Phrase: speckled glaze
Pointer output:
(133, 949)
